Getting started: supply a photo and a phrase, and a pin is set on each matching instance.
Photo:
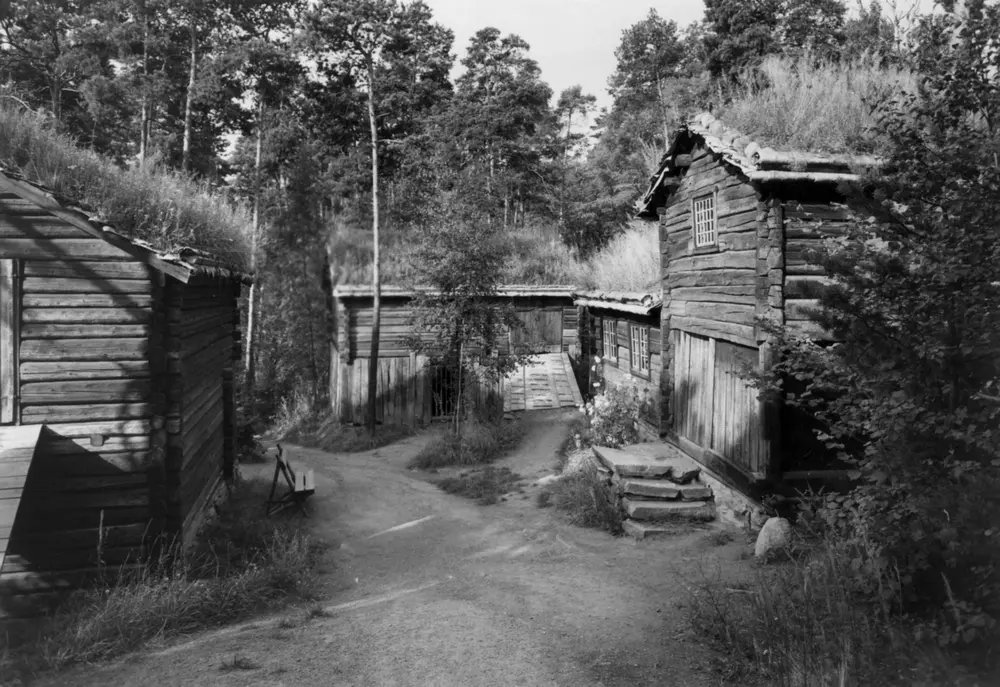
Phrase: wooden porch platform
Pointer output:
(547, 382)
(17, 448)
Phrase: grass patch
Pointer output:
(801, 624)
(802, 104)
(241, 563)
(484, 485)
(169, 210)
(585, 499)
(630, 261)
(478, 442)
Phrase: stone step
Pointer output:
(658, 511)
(664, 489)
(650, 460)
(647, 530)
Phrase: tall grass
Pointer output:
(477, 442)
(803, 104)
(169, 210)
(241, 563)
(802, 624)
(630, 262)
(585, 499)
(539, 256)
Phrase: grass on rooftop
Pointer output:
(166, 209)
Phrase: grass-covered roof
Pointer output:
(814, 106)
(167, 210)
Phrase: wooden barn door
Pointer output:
(714, 407)
(9, 321)
(542, 331)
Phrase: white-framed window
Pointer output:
(640, 349)
(705, 233)
(610, 340)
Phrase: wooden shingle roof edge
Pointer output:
(634, 302)
(181, 265)
(508, 290)
(760, 163)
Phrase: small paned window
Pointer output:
(640, 349)
(705, 233)
(610, 340)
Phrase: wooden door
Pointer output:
(542, 331)
(714, 407)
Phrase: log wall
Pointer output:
(201, 317)
(711, 297)
(83, 370)
(126, 369)
(621, 372)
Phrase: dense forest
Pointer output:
(277, 103)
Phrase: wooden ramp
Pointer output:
(17, 448)
(546, 382)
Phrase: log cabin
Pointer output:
(411, 391)
(620, 339)
(738, 220)
(117, 403)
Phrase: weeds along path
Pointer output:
(426, 588)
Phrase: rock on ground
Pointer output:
(775, 536)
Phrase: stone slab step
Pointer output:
(658, 511)
(647, 530)
(654, 460)
(665, 489)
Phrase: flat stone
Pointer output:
(648, 460)
(663, 489)
(644, 530)
(654, 511)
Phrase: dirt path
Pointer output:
(425, 588)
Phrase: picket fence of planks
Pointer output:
(408, 393)
(123, 360)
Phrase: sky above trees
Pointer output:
(573, 41)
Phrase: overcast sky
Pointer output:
(573, 41)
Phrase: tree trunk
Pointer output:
(249, 361)
(188, 105)
(376, 279)
(144, 121)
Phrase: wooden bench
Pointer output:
(300, 485)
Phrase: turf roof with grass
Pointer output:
(169, 211)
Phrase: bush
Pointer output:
(587, 501)
(614, 416)
(477, 442)
(241, 563)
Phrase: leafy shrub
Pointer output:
(614, 416)
(908, 394)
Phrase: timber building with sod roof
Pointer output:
(620, 346)
(412, 391)
(738, 221)
(116, 394)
